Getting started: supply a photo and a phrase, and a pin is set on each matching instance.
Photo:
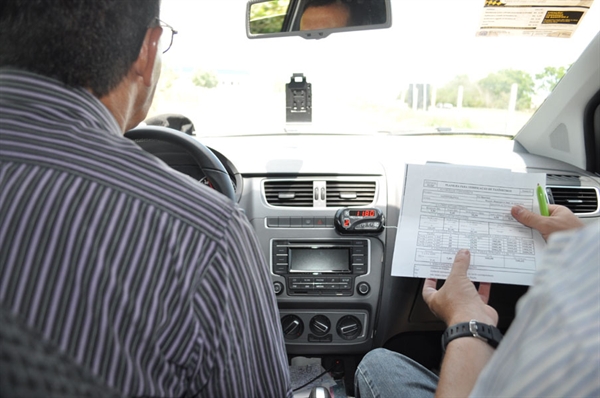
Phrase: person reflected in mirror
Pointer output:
(151, 282)
(552, 347)
(326, 14)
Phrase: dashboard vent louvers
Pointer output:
(350, 193)
(289, 193)
(578, 199)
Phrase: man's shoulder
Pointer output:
(123, 169)
(147, 178)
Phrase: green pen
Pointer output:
(541, 195)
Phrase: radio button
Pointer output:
(319, 286)
(331, 286)
(345, 286)
(281, 250)
(358, 250)
(307, 280)
(281, 259)
(280, 268)
(346, 279)
(332, 280)
(358, 258)
(320, 280)
(306, 286)
(359, 268)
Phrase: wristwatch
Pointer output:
(488, 333)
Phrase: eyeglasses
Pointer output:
(166, 39)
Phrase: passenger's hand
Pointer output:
(560, 219)
(458, 300)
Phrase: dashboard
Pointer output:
(334, 289)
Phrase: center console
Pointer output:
(326, 266)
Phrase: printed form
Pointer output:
(446, 208)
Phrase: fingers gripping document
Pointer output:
(446, 208)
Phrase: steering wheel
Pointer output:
(210, 165)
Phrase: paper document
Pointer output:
(446, 208)
(537, 18)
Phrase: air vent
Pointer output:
(578, 199)
(350, 193)
(289, 193)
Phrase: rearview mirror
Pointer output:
(314, 19)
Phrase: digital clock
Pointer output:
(359, 221)
(362, 213)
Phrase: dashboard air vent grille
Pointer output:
(578, 199)
(350, 193)
(289, 193)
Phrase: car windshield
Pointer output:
(430, 73)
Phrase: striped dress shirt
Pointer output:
(152, 282)
(552, 348)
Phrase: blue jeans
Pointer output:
(383, 373)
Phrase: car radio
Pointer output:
(320, 267)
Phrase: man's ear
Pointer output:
(144, 65)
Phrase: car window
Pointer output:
(429, 73)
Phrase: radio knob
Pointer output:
(292, 327)
(363, 288)
(349, 327)
(277, 287)
(320, 325)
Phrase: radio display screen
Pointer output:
(319, 260)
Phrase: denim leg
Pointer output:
(383, 373)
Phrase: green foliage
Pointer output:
(268, 9)
(472, 95)
(493, 91)
(205, 79)
(550, 77)
(267, 25)
(497, 87)
(268, 17)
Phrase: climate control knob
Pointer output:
(320, 325)
(292, 327)
(349, 327)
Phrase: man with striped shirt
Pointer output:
(552, 347)
(153, 283)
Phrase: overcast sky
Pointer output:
(430, 40)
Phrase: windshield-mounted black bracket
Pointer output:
(298, 100)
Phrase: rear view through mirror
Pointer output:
(314, 19)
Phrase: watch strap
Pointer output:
(488, 333)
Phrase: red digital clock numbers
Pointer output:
(362, 213)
